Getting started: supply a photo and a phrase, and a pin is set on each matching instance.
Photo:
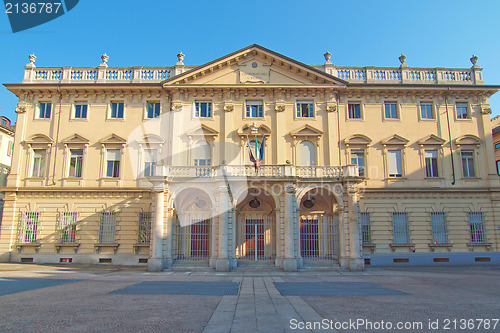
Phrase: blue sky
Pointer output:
(358, 33)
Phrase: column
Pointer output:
(222, 262)
(155, 261)
(356, 261)
(290, 261)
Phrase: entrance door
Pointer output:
(255, 240)
(200, 239)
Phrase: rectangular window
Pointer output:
(76, 163)
(113, 163)
(391, 111)
(202, 162)
(462, 111)
(305, 110)
(498, 168)
(10, 148)
(107, 227)
(365, 228)
(438, 221)
(426, 111)
(117, 110)
(477, 228)
(203, 109)
(395, 164)
(144, 232)
(497, 146)
(254, 109)
(150, 160)
(39, 161)
(80, 111)
(29, 226)
(400, 222)
(431, 164)
(358, 158)
(468, 164)
(67, 227)
(354, 110)
(153, 110)
(44, 110)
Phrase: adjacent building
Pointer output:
(252, 157)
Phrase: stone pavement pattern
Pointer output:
(91, 304)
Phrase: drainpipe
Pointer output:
(449, 137)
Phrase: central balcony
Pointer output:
(265, 171)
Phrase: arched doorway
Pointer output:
(192, 227)
(256, 227)
(319, 226)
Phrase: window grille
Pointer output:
(144, 232)
(401, 234)
(107, 227)
(438, 221)
(67, 227)
(477, 228)
(365, 228)
(29, 227)
(317, 237)
(192, 242)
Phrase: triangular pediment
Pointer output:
(394, 140)
(39, 138)
(467, 139)
(203, 130)
(357, 139)
(306, 130)
(432, 140)
(255, 65)
(75, 139)
(113, 139)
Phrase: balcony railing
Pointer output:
(373, 75)
(276, 171)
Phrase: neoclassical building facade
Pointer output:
(160, 166)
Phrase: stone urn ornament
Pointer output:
(180, 56)
(105, 59)
(402, 59)
(327, 56)
(32, 58)
(473, 59)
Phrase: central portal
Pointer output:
(256, 229)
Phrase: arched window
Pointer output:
(201, 154)
(306, 154)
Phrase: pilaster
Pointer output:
(290, 261)
(222, 262)
(155, 263)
